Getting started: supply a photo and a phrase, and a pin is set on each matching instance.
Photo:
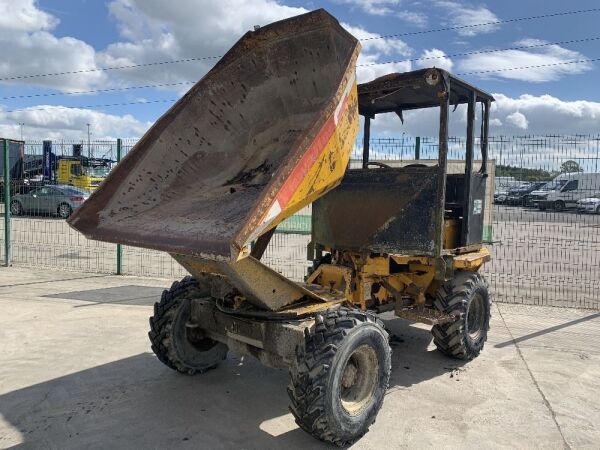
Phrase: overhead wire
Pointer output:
(410, 33)
(51, 108)
(493, 22)
(173, 100)
(424, 58)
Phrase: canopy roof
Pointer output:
(414, 90)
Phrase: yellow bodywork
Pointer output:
(322, 166)
(71, 172)
(371, 281)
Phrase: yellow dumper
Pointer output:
(269, 130)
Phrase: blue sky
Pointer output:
(48, 36)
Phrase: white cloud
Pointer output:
(549, 114)
(48, 54)
(544, 57)
(374, 7)
(376, 50)
(154, 30)
(518, 120)
(374, 43)
(387, 8)
(435, 57)
(418, 19)
(463, 15)
(52, 122)
(24, 15)
(28, 47)
(527, 115)
(540, 115)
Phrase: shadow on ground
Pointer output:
(136, 402)
(124, 295)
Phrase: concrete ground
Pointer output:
(76, 371)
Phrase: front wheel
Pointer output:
(598, 209)
(339, 379)
(178, 346)
(467, 298)
(559, 205)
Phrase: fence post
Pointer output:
(418, 147)
(119, 246)
(6, 180)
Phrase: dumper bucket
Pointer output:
(268, 130)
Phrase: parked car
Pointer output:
(589, 204)
(500, 197)
(51, 199)
(566, 190)
(520, 196)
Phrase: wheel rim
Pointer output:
(15, 209)
(559, 206)
(189, 340)
(64, 210)
(476, 317)
(196, 338)
(359, 380)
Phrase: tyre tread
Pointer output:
(453, 298)
(161, 324)
(308, 378)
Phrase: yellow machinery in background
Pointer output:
(82, 172)
(269, 130)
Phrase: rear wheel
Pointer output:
(178, 346)
(16, 209)
(466, 297)
(559, 205)
(64, 210)
(598, 209)
(339, 380)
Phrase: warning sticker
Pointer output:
(477, 206)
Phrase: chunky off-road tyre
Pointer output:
(179, 347)
(466, 297)
(339, 379)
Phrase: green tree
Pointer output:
(524, 174)
(570, 166)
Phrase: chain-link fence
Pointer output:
(545, 238)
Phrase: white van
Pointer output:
(565, 190)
